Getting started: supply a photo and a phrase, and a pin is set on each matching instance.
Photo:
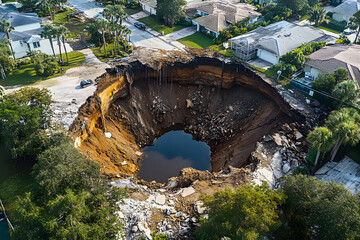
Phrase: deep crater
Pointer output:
(224, 104)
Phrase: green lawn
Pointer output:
(99, 52)
(304, 17)
(26, 74)
(132, 11)
(197, 40)
(158, 25)
(15, 186)
(74, 25)
(329, 29)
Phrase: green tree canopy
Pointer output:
(325, 210)
(318, 16)
(244, 213)
(24, 114)
(170, 10)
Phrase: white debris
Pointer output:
(124, 163)
(160, 199)
(138, 153)
(187, 191)
(108, 135)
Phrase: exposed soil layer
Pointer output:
(226, 105)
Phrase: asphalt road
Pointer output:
(139, 37)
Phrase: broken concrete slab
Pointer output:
(160, 199)
(187, 191)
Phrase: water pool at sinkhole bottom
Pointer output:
(172, 152)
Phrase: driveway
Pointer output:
(67, 87)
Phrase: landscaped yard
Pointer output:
(197, 40)
(26, 74)
(329, 29)
(100, 54)
(132, 11)
(158, 25)
(74, 25)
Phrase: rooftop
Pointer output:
(348, 7)
(282, 37)
(214, 22)
(346, 171)
(330, 58)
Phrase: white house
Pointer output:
(217, 16)
(26, 36)
(330, 58)
(346, 10)
(148, 6)
(271, 42)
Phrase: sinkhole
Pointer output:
(223, 109)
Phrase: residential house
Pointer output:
(26, 36)
(330, 58)
(217, 16)
(271, 42)
(346, 10)
(149, 6)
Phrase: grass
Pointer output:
(15, 186)
(197, 40)
(132, 11)
(329, 29)
(158, 25)
(304, 17)
(74, 25)
(100, 54)
(268, 73)
(26, 74)
(220, 48)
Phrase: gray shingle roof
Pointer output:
(348, 7)
(282, 37)
(330, 58)
(16, 36)
(213, 22)
(19, 19)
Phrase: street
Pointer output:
(139, 37)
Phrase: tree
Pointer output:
(6, 27)
(345, 127)
(58, 31)
(321, 139)
(64, 32)
(248, 212)
(7, 63)
(24, 115)
(2, 92)
(355, 20)
(320, 210)
(340, 75)
(295, 58)
(49, 32)
(71, 201)
(295, 5)
(313, 3)
(318, 16)
(171, 11)
(346, 91)
(103, 27)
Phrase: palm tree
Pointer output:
(6, 27)
(2, 92)
(321, 138)
(63, 33)
(49, 32)
(103, 28)
(355, 20)
(127, 32)
(57, 33)
(318, 16)
(346, 91)
(345, 126)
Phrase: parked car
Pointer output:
(140, 25)
(85, 83)
(349, 31)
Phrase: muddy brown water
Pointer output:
(172, 152)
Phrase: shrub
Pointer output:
(39, 69)
(51, 68)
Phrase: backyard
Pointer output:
(159, 25)
(26, 74)
(74, 24)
